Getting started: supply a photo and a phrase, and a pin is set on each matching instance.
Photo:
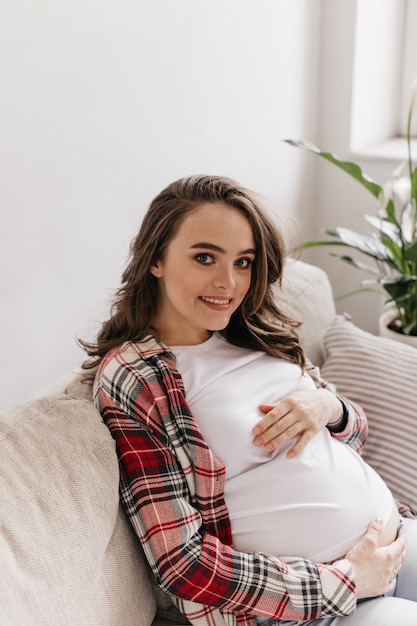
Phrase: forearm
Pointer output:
(352, 428)
(200, 568)
(339, 424)
(195, 565)
(355, 429)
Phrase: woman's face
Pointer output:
(204, 275)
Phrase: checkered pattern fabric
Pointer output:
(172, 487)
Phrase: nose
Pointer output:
(224, 278)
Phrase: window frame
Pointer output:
(409, 66)
(385, 64)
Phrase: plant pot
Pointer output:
(385, 319)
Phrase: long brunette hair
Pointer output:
(258, 323)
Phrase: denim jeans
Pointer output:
(399, 608)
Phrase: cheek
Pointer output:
(242, 291)
(187, 285)
(246, 283)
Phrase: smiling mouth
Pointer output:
(216, 300)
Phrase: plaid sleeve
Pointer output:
(188, 561)
(355, 433)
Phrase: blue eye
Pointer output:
(244, 263)
(204, 258)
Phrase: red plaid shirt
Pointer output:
(172, 488)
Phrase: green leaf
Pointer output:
(350, 168)
(397, 286)
(312, 244)
(410, 254)
(390, 211)
(395, 250)
(414, 185)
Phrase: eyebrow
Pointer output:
(211, 246)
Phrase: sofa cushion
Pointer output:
(69, 552)
(166, 611)
(307, 295)
(80, 389)
(379, 374)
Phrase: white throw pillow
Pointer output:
(307, 295)
(69, 555)
(380, 375)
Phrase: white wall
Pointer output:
(104, 103)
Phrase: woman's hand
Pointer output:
(302, 415)
(376, 568)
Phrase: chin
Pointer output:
(218, 328)
(218, 325)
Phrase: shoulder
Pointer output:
(135, 356)
(133, 369)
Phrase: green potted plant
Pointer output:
(392, 244)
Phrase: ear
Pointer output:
(156, 270)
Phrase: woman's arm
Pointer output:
(302, 414)
(195, 565)
(355, 429)
(178, 511)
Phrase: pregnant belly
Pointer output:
(316, 506)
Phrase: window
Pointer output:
(384, 68)
(409, 64)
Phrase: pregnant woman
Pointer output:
(239, 466)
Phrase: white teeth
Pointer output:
(215, 301)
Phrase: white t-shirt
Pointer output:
(316, 505)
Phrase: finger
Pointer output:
(376, 525)
(401, 542)
(374, 530)
(273, 413)
(369, 541)
(265, 408)
(273, 418)
(277, 435)
(265, 422)
(300, 444)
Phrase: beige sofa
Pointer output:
(67, 552)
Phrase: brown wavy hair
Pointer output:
(258, 323)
